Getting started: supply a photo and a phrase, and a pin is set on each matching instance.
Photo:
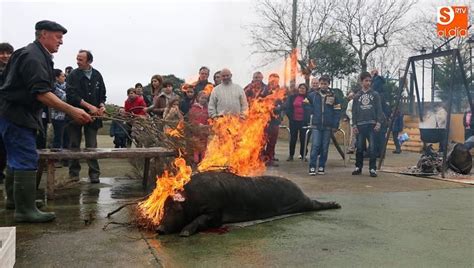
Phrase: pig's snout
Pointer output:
(161, 229)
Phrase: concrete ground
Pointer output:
(391, 221)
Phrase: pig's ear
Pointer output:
(179, 197)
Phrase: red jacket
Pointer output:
(198, 114)
(130, 106)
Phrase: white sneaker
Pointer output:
(312, 171)
(321, 171)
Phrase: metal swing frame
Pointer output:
(456, 58)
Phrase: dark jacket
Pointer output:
(377, 83)
(325, 108)
(119, 129)
(1, 74)
(367, 108)
(289, 109)
(28, 72)
(200, 85)
(186, 104)
(397, 122)
(148, 95)
(254, 90)
(79, 87)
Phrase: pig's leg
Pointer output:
(199, 223)
(325, 205)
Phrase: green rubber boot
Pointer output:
(10, 203)
(25, 194)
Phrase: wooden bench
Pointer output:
(50, 156)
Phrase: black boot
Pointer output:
(10, 203)
(25, 194)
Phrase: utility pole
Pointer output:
(294, 43)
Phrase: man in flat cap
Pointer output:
(26, 90)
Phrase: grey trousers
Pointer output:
(75, 137)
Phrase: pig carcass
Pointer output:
(211, 199)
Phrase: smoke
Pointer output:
(435, 118)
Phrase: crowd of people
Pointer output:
(76, 99)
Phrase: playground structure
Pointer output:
(414, 89)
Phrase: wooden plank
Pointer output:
(50, 180)
(98, 153)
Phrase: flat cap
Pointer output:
(50, 26)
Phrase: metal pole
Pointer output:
(423, 86)
(464, 79)
(432, 78)
(470, 55)
(401, 86)
(420, 110)
(423, 51)
(410, 95)
(448, 119)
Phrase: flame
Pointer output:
(284, 69)
(237, 143)
(168, 185)
(208, 89)
(293, 64)
(177, 132)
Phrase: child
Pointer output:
(134, 103)
(172, 112)
(198, 116)
(119, 130)
(367, 118)
(326, 111)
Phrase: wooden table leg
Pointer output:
(42, 164)
(146, 172)
(50, 180)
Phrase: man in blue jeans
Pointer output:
(326, 111)
(27, 88)
(367, 117)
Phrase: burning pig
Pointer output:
(211, 199)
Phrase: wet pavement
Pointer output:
(391, 221)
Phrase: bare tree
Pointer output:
(388, 60)
(289, 24)
(368, 25)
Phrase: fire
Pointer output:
(177, 132)
(208, 89)
(293, 64)
(167, 185)
(237, 143)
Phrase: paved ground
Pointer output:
(390, 221)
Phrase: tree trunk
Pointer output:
(363, 66)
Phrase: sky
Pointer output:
(133, 41)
